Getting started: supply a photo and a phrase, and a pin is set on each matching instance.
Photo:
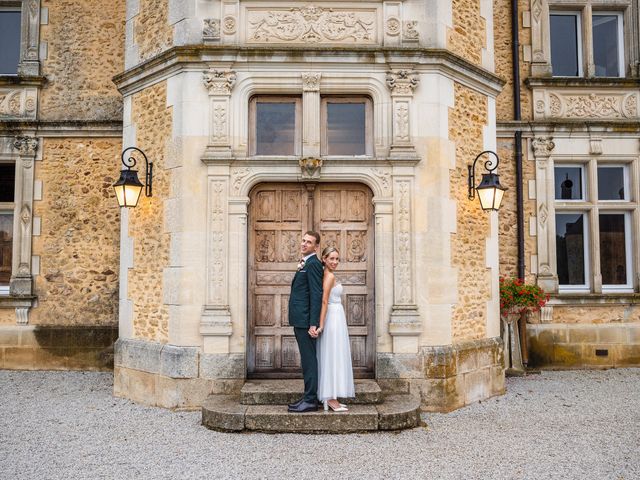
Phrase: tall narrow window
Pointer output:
(275, 125)
(570, 250)
(608, 45)
(9, 40)
(614, 249)
(347, 126)
(7, 188)
(566, 49)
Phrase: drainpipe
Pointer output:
(517, 114)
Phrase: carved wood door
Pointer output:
(279, 216)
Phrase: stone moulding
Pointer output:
(312, 24)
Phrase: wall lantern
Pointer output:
(128, 187)
(490, 192)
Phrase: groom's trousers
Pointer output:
(309, 361)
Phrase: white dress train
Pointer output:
(335, 374)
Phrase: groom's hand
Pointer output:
(313, 331)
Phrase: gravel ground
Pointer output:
(580, 424)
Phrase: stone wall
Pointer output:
(78, 244)
(85, 49)
(466, 122)
(151, 31)
(507, 214)
(468, 36)
(504, 59)
(153, 124)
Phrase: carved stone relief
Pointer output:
(542, 146)
(229, 25)
(211, 29)
(410, 31)
(27, 146)
(237, 177)
(585, 105)
(217, 247)
(402, 82)
(18, 102)
(404, 264)
(393, 26)
(311, 82)
(311, 24)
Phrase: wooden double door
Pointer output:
(279, 216)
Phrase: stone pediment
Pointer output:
(587, 101)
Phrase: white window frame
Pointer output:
(578, 15)
(628, 287)
(583, 186)
(626, 181)
(621, 65)
(586, 238)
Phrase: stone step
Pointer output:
(226, 413)
(283, 392)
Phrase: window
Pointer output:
(569, 182)
(604, 43)
(608, 44)
(345, 126)
(7, 188)
(276, 125)
(9, 40)
(566, 44)
(346, 123)
(601, 211)
(571, 250)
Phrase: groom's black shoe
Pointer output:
(305, 407)
(295, 404)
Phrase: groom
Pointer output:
(305, 302)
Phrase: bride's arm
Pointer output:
(327, 285)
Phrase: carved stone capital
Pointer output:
(311, 82)
(27, 146)
(211, 29)
(219, 82)
(542, 146)
(402, 82)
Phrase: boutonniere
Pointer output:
(300, 265)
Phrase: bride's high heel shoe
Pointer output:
(339, 408)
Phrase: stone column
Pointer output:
(215, 323)
(402, 83)
(29, 64)
(311, 115)
(540, 39)
(546, 234)
(219, 83)
(21, 282)
(405, 325)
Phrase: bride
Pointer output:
(335, 374)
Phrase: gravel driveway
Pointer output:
(579, 424)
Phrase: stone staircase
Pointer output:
(262, 406)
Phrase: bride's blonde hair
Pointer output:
(327, 251)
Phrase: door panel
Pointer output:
(279, 216)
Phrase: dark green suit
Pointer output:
(305, 303)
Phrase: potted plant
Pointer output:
(517, 299)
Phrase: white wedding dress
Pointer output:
(335, 374)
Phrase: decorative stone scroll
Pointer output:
(616, 105)
(18, 102)
(402, 83)
(219, 83)
(311, 24)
